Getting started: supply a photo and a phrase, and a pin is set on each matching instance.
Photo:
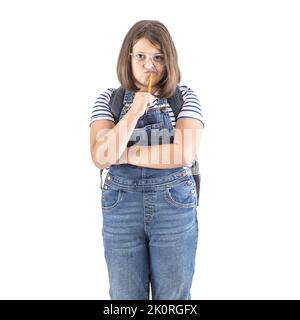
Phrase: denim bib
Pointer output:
(153, 127)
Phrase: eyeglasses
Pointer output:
(156, 58)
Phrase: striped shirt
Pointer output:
(191, 107)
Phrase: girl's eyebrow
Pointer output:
(149, 53)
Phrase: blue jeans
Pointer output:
(150, 232)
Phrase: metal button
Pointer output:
(105, 187)
(108, 177)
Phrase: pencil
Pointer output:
(150, 83)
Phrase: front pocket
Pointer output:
(110, 198)
(181, 195)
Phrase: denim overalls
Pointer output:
(150, 227)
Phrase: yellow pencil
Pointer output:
(150, 83)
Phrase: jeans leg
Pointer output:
(126, 250)
(128, 273)
(173, 244)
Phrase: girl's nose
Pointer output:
(149, 64)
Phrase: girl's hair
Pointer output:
(159, 36)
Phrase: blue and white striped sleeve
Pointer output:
(191, 105)
(101, 110)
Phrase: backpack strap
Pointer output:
(176, 102)
(116, 103)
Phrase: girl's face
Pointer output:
(147, 59)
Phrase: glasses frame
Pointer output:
(148, 56)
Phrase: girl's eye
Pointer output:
(158, 58)
(140, 56)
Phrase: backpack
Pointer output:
(176, 103)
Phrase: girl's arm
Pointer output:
(183, 151)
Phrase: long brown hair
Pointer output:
(159, 36)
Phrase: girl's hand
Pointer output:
(141, 102)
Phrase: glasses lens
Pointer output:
(159, 59)
(141, 58)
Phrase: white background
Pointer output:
(241, 57)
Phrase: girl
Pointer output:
(149, 200)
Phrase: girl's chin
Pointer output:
(143, 85)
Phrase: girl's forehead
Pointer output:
(144, 44)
